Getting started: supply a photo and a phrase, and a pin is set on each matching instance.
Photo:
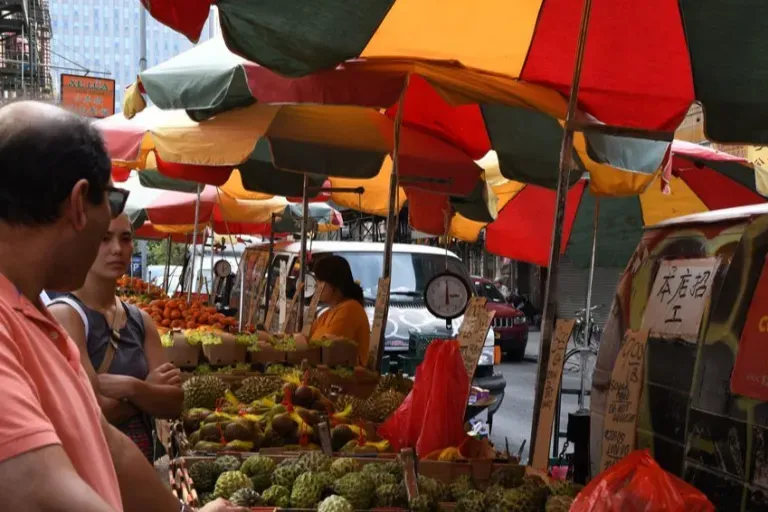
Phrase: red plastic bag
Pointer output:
(638, 484)
(432, 415)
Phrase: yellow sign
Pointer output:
(88, 96)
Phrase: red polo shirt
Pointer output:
(46, 396)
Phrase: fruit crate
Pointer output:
(228, 352)
(182, 354)
(183, 486)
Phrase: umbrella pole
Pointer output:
(393, 205)
(588, 320)
(268, 293)
(303, 254)
(563, 178)
(167, 269)
(194, 245)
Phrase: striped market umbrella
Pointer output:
(174, 212)
(472, 113)
(645, 62)
(699, 179)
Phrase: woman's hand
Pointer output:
(222, 505)
(165, 375)
(118, 387)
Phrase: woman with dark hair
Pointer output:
(345, 317)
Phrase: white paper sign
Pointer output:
(679, 295)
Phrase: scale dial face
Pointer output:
(447, 295)
(222, 268)
(310, 286)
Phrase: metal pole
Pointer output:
(142, 38)
(194, 245)
(211, 297)
(167, 270)
(268, 293)
(392, 217)
(588, 314)
(303, 255)
(566, 163)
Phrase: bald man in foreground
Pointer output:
(57, 452)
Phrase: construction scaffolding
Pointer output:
(25, 50)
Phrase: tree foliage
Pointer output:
(158, 253)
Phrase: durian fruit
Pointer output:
(204, 475)
(344, 465)
(335, 504)
(285, 475)
(277, 496)
(357, 489)
(239, 430)
(396, 381)
(246, 498)
(259, 469)
(307, 490)
(373, 469)
(558, 504)
(342, 401)
(472, 501)
(460, 487)
(380, 406)
(239, 446)
(383, 478)
(230, 482)
(203, 391)
(228, 463)
(537, 489)
(422, 503)
(391, 495)
(508, 477)
(256, 388)
(314, 461)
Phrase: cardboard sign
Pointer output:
(624, 399)
(269, 320)
(309, 319)
(679, 295)
(750, 373)
(293, 308)
(562, 334)
(474, 328)
(325, 438)
(254, 279)
(379, 314)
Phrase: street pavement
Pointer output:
(512, 422)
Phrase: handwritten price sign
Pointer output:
(679, 295)
(377, 330)
(624, 399)
(563, 330)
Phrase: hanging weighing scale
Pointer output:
(447, 296)
(310, 284)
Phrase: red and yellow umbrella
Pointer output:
(645, 62)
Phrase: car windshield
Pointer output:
(489, 291)
(410, 272)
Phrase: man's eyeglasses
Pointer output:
(117, 197)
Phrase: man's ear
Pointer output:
(76, 205)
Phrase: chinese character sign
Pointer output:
(88, 96)
(623, 399)
(679, 295)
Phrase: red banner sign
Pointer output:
(88, 96)
(750, 374)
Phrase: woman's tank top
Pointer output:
(129, 359)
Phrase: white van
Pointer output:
(412, 268)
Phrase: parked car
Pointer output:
(412, 268)
(510, 326)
